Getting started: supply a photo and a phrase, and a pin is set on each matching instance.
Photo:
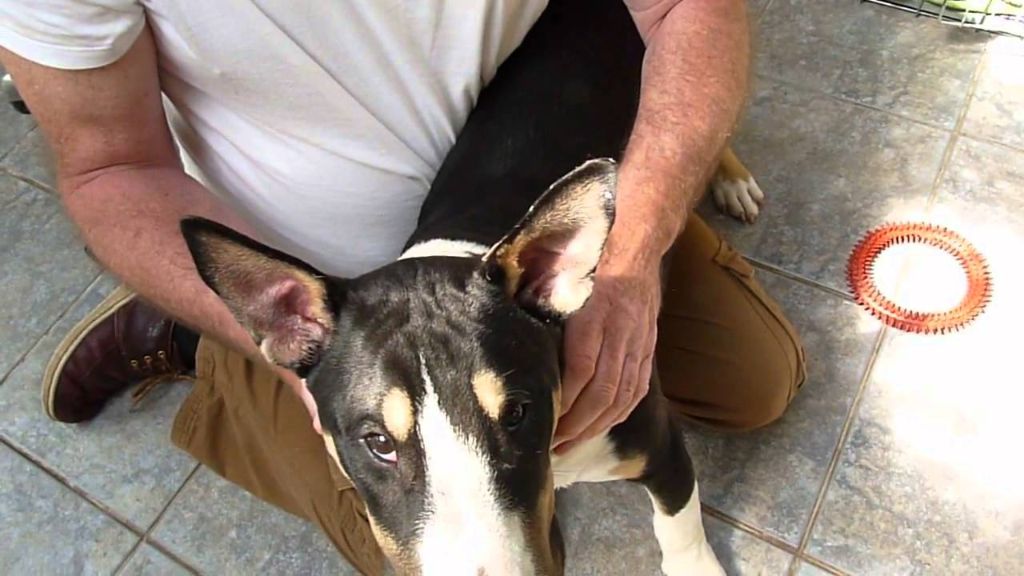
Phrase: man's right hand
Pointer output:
(122, 183)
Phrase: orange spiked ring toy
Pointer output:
(860, 275)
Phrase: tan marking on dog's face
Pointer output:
(400, 561)
(630, 468)
(490, 392)
(398, 415)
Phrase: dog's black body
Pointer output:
(568, 93)
(380, 350)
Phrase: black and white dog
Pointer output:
(437, 377)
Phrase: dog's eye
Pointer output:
(514, 414)
(381, 447)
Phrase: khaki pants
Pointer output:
(726, 356)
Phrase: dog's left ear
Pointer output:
(547, 262)
(282, 302)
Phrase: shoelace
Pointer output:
(160, 372)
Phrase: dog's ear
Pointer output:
(546, 263)
(281, 301)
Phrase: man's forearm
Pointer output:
(694, 83)
(129, 217)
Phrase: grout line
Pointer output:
(843, 99)
(173, 556)
(947, 155)
(49, 329)
(127, 557)
(844, 435)
(822, 565)
(992, 141)
(758, 533)
(45, 188)
(809, 282)
(145, 538)
(64, 481)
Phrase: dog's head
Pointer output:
(437, 379)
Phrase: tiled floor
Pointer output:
(898, 457)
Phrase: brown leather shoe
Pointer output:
(123, 342)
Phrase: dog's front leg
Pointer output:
(678, 525)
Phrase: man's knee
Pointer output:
(763, 398)
(745, 384)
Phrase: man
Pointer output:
(317, 127)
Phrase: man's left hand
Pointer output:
(609, 348)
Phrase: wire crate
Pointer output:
(1003, 17)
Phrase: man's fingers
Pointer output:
(582, 341)
(623, 403)
(598, 395)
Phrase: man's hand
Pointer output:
(694, 79)
(609, 348)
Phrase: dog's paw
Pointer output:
(697, 560)
(740, 199)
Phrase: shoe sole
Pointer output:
(111, 304)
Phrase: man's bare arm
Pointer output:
(121, 181)
(694, 84)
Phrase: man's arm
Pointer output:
(693, 86)
(121, 181)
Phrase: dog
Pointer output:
(438, 376)
(437, 379)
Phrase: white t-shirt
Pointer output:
(321, 122)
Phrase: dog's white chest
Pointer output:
(591, 461)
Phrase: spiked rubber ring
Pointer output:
(860, 275)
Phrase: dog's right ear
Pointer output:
(282, 302)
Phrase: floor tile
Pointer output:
(811, 570)
(830, 171)
(607, 530)
(755, 8)
(122, 458)
(148, 561)
(45, 268)
(927, 482)
(220, 529)
(770, 478)
(997, 108)
(48, 529)
(31, 158)
(871, 54)
(743, 554)
(13, 127)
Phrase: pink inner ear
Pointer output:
(554, 262)
(284, 312)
